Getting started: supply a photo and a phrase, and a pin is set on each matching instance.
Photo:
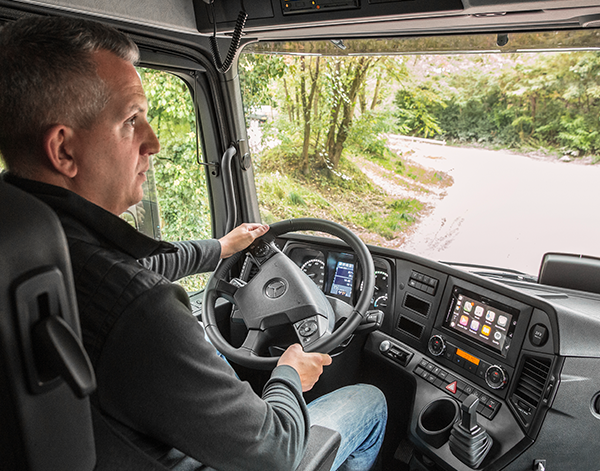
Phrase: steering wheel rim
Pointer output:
(218, 287)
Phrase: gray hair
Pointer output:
(48, 76)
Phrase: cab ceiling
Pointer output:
(399, 18)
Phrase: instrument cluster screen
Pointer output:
(342, 279)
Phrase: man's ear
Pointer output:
(58, 146)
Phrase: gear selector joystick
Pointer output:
(469, 442)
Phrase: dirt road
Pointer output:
(507, 210)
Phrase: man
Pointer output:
(74, 132)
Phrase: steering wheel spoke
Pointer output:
(227, 290)
(253, 343)
(342, 309)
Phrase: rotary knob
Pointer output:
(436, 345)
(496, 377)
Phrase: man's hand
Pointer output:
(241, 237)
(308, 365)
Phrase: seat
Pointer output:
(45, 415)
(46, 420)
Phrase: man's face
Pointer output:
(112, 156)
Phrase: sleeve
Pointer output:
(190, 258)
(158, 375)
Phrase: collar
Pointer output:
(112, 228)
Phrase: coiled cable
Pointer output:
(224, 66)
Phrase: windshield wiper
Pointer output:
(493, 272)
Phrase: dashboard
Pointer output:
(514, 346)
(336, 273)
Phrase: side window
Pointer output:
(175, 205)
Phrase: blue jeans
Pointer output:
(359, 414)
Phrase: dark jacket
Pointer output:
(158, 378)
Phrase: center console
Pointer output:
(469, 346)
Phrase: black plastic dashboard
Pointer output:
(456, 334)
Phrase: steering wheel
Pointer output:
(281, 294)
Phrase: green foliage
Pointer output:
(366, 134)
(415, 111)
(258, 74)
(396, 217)
(548, 101)
(577, 137)
(180, 181)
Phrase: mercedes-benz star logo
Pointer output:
(276, 288)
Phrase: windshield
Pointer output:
(484, 158)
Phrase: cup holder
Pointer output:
(436, 421)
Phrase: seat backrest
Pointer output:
(45, 376)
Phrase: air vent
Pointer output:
(534, 374)
(530, 387)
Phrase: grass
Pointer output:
(344, 195)
(401, 166)
(394, 218)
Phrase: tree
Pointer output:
(308, 101)
(318, 98)
(346, 77)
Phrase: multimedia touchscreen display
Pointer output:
(486, 321)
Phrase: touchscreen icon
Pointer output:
(485, 330)
(490, 316)
(468, 306)
(475, 325)
(464, 320)
(497, 335)
(502, 321)
(478, 311)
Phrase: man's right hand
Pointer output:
(308, 365)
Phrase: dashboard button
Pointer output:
(492, 404)
(308, 328)
(482, 369)
(452, 387)
(538, 335)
